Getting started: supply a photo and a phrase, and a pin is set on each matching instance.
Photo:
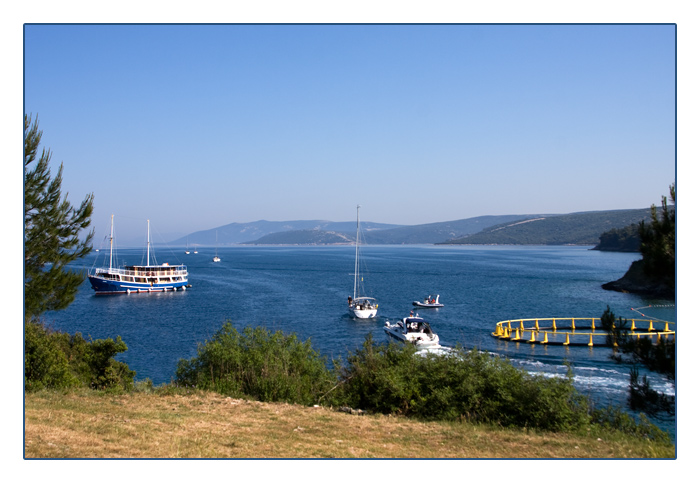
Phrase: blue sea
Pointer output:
(304, 290)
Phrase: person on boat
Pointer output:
(350, 301)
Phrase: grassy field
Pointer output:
(89, 424)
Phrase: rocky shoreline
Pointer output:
(635, 281)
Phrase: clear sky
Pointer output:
(198, 126)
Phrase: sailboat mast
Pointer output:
(357, 253)
(111, 237)
(148, 243)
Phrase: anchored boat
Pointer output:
(137, 278)
(359, 306)
(413, 330)
(430, 302)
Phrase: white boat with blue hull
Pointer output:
(137, 278)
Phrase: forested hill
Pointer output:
(571, 229)
(374, 234)
(550, 229)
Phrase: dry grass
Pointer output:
(82, 424)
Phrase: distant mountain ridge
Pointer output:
(238, 233)
(584, 228)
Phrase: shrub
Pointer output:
(55, 360)
(472, 385)
(614, 418)
(257, 363)
(45, 363)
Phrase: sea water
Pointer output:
(304, 290)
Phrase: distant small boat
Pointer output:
(216, 253)
(413, 330)
(187, 248)
(137, 278)
(430, 302)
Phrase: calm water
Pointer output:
(305, 289)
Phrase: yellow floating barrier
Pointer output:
(516, 330)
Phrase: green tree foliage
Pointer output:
(658, 356)
(658, 242)
(258, 364)
(620, 239)
(476, 386)
(51, 229)
(57, 360)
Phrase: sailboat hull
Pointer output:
(363, 313)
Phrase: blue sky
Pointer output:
(198, 126)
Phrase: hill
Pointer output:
(378, 235)
(583, 228)
(573, 229)
(438, 232)
(236, 233)
(304, 237)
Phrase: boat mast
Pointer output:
(357, 252)
(111, 237)
(148, 243)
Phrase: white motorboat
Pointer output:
(430, 302)
(360, 306)
(413, 330)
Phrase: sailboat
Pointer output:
(187, 247)
(137, 278)
(359, 306)
(216, 253)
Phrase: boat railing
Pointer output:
(173, 270)
(577, 331)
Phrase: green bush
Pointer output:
(55, 360)
(45, 363)
(259, 364)
(616, 419)
(479, 387)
